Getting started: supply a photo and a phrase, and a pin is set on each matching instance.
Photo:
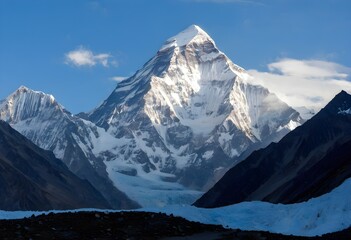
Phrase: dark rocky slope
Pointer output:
(33, 179)
(308, 162)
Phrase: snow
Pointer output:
(207, 155)
(345, 112)
(185, 37)
(24, 103)
(328, 213)
(210, 56)
(291, 126)
(325, 214)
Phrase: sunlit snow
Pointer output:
(185, 37)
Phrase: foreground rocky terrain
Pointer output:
(128, 225)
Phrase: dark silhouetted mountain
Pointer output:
(308, 162)
(33, 179)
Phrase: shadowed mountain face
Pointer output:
(33, 179)
(308, 162)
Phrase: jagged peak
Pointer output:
(23, 89)
(342, 93)
(191, 33)
(341, 97)
(25, 103)
(339, 104)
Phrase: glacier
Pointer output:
(326, 214)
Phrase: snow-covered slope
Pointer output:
(45, 122)
(328, 213)
(325, 214)
(189, 112)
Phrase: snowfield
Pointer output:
(328, 213)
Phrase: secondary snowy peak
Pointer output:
(40, 118)
(191, 34)
(25, 103)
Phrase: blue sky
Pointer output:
(270, 38)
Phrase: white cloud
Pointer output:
(85, 57)
(304, 83)
(118, 78)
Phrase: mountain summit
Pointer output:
(192, 34)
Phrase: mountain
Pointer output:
(46, 123)
(165, 134)
(311, 160)
(33, 179)
(189, 113)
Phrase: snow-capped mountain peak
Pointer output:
(26, 103)
(23, 89)
(191, 34)
(189, 109)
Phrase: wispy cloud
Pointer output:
(118, 78)
(97, 6)
(85, 57)
(304, 83)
